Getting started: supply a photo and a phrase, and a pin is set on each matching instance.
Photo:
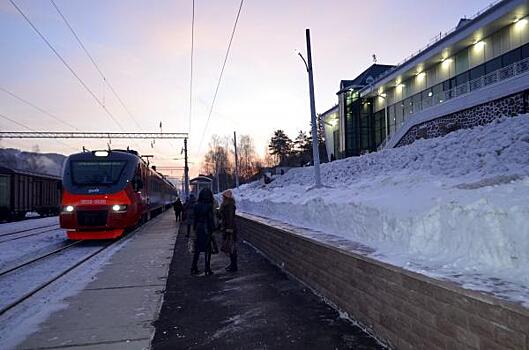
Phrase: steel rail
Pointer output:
(29, 235)
(26, 230)
(5, 272)
(64, 272)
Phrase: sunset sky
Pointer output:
(143, 48)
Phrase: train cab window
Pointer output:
(101, 172)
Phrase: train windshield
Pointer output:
(100, 172)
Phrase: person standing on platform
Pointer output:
(189, 213)
(178, 207)
(203, 225)
(229, 229)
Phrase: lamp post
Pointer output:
(315, 143)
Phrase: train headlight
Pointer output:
(68, 209)
(119, 208)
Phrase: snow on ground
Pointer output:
(452, 208)
(24, 320)
(27, 317)
(19, 250)
(28, 224)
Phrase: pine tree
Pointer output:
(280, 145)
(302, 142)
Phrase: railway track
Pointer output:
(29, 262)
(29, 235)
(19, 299)
(28, 229)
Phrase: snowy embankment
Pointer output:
(454, 207)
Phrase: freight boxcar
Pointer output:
(23, 191)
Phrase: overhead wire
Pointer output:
(99, 70)
(65, 63)
(34, 106)
(221, 75)
(96, 66)
(15, 122)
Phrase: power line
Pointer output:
(40, 109)
(220, 76)
(28, 128)
(15, 122)
(105, 79)
(66, 64)
(191, 65)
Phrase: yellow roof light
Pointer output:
(479, 44)
(521, 23)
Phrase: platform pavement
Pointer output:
(116, 310)
(259, 307)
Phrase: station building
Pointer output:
(472, 75)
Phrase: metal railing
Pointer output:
(501, 74)
(469, 87)
(434, 41)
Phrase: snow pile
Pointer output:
(445, 206)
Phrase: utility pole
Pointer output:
(186, 171)
(217, 173)
(315, 141)
(236, 160)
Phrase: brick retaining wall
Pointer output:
(479, 115)
(403, 309)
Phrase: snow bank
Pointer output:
(445, 206)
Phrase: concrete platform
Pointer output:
(258, 307)
(117, 309)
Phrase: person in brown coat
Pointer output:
(229, 229)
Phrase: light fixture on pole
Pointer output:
(315, 141)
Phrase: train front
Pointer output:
(101, 195)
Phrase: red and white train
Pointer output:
(106, 192)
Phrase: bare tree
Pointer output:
(218, 163)
(248, 159)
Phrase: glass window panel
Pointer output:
(493, 65)
(462, 78)
(511, 57)
(477, 72)
(399, 114)
(525, 51)
(461, 61)
(391, 118)
(417, 103)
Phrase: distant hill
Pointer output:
(46, 163)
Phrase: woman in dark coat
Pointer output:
(229, 229)
(203, 225)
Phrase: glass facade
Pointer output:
(360, 127)
(495, 58)
(367, 121)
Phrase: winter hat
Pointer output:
(227, 194)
